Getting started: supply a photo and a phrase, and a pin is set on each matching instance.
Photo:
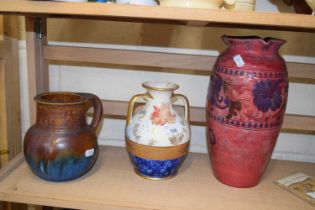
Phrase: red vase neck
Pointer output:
(253, 44)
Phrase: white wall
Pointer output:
(120, 84)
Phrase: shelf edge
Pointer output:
(266, 20)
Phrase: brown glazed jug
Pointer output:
(61, 146)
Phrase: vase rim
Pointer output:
(265, 40)
(43, 98)
(160, 85)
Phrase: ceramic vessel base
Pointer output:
(154, 178)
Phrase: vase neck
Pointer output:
(253, 45)
(160, 92)
(159, 96)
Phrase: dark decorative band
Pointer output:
(251, 74)
(248, 125)
(157, 153)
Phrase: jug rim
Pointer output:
(39, 98)
(160, 85)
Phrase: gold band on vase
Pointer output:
(157, 153)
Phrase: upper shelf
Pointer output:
(198, 17)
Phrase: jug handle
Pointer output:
(228, 4)
(186, 104)
(94, 101)
(132, 102)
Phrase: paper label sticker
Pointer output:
(301, 185)
(89, 152)
(239, 60)
(298, 177)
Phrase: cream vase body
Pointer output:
(242, 5)
(157, 123)
(157, 137)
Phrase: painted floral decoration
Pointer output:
(218, 96)
(267, 95)
(176, 139)
(162, 115)
(218, 84)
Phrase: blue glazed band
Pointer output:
(62, 169)
(156, 168)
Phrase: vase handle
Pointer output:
(93, 100)
(131, 105)
(186, 104)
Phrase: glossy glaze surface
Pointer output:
(156, 135)
(156, 169)
(157, 123)
(61, 146)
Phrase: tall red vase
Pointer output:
(246, 104)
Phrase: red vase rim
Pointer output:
(243, 39)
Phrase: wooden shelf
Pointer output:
(298, 72)
(112, 184)
(291, 124)
(198, 17)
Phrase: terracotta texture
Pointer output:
(61, 146)
(246, 104)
